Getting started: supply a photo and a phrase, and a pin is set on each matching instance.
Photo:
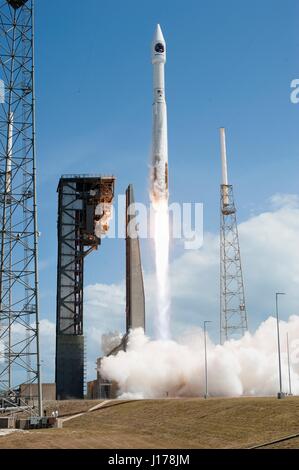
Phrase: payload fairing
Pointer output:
(159, 177)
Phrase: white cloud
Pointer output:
(269, 244)
(47, 349)
(99, 296)
(278, 201)
(47, 342)
(104, 312)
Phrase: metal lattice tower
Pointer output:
(19, 316)
(84, 212)
(233, 316)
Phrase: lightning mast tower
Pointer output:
(20, 384)
(233, 316)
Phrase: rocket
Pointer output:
(159, 166)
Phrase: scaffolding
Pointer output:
(84, 213)
(233, 317)
(19, 314)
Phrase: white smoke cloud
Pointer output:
(249, 366)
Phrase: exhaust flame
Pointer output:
(161, 235)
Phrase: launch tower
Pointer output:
(19, 315)
(233, 316)
(84, 213)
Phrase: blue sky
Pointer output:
(229, 64)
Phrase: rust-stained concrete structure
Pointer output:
(135, 309)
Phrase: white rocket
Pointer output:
(159, 177)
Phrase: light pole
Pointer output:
(206, 357)
(280, 393)
(289, 366)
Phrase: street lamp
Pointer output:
(289, 366)
(280, 394)
(206, 357)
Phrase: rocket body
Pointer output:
(159, 167)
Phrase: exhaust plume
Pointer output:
(162, 269)
(245, 367)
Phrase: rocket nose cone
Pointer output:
(158, 47)
(158, 34)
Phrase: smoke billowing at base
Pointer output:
(249, 366)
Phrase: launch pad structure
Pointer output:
(233, 315)
(84, 212)
(135, 295)
(19, 310)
